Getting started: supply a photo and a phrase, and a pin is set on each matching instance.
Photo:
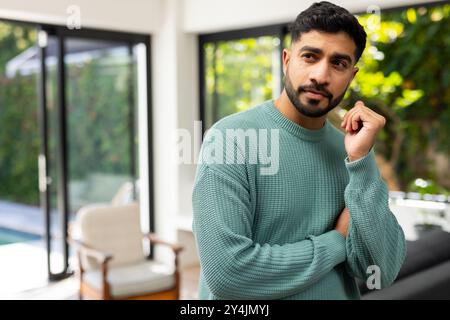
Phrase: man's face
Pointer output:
(318, 70)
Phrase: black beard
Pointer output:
(293, 96)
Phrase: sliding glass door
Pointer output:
(89, 110)
(72, 105)
(21, 221)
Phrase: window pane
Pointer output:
(19, 132)
(240, 74)
(99, 102)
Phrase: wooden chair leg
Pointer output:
(80, 290)
(81, 270)
(106, 293)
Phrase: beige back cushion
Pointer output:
(112, 229)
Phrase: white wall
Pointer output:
(132, 15)
(175, 89)
(205, 16)
(197, 16)
(167, 81)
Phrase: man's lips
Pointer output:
(315, 94)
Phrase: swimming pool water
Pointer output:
(8, 236)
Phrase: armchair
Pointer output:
(112, 264)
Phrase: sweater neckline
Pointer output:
(294, 128)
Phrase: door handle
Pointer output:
(43, 179)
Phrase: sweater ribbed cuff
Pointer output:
(363, 171)
(333, 243)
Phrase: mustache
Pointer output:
(316, 88)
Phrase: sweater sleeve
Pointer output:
(374, 235)
(236, 267)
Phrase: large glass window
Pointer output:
(240, 74)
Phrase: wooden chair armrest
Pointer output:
(100, 256)
(155, 240)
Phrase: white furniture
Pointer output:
(410, 212)
(112, 263)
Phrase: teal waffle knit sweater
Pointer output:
(271, 236)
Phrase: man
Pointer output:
(322, 219)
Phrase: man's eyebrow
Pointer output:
(336, 55)
(311, 49)
(342, 56)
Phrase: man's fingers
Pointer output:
(347, 117)
(358, 113)
(364, 116)
(374, 115)
(359, 103)
(348, 114)
(349, 124)
(355, 120)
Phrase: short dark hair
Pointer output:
(327, 17)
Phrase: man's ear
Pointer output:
(286, 58)
(355, 71)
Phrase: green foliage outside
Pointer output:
(19, 132)
(97, 119)
(405, 76)
(239, 74)
(98, 113)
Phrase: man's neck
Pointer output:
(284, 105)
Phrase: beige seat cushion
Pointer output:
(137, 279)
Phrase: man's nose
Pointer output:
(320, 74)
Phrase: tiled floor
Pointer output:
(189, 283)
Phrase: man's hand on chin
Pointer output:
(361, 125)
